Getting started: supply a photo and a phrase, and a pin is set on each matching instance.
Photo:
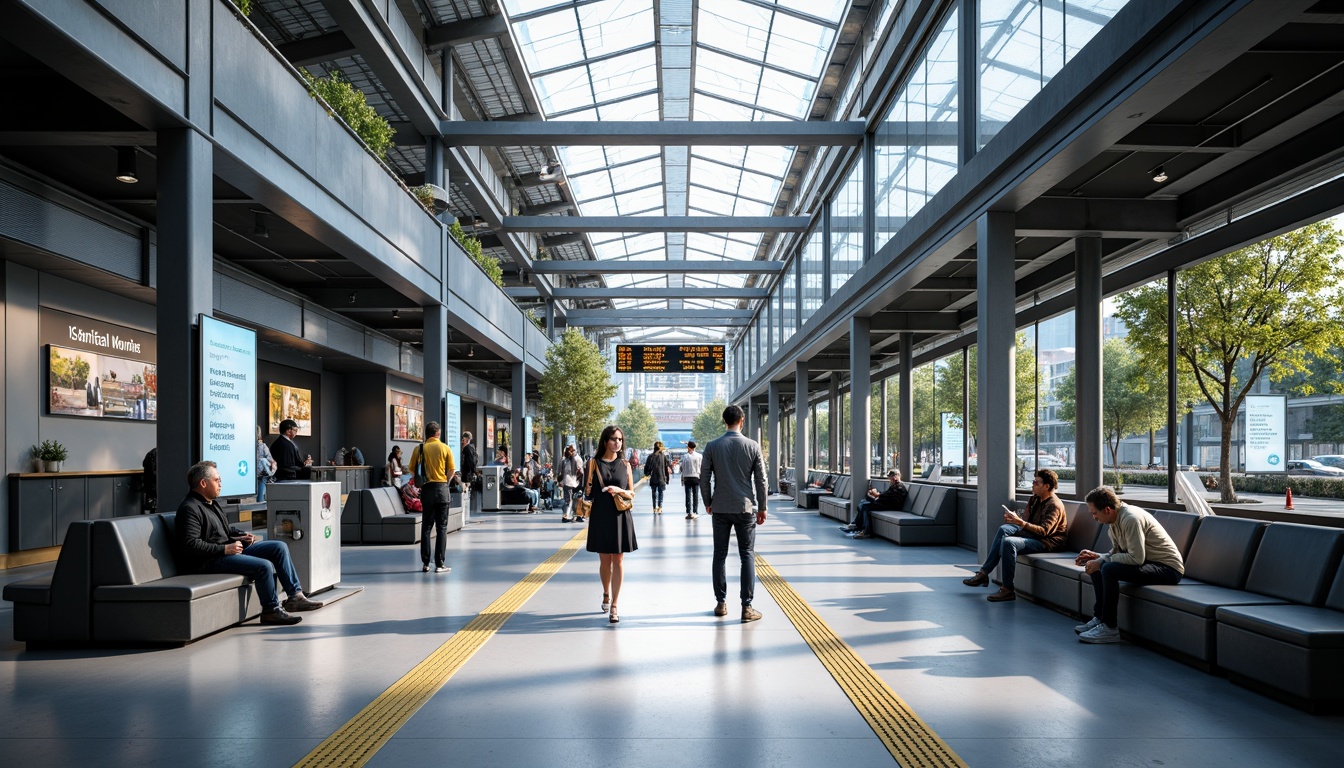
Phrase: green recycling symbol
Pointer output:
(327, 532)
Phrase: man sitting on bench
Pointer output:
(891, 500)
(207, 544)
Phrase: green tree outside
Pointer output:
(708, 423)
(1274, 305)
(576, 388)
(638, 425)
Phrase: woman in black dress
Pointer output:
(611, 532)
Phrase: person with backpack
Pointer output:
(432, 465)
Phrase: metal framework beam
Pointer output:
(654, 318)
(465, 31)
(573, 133)
(726, 266)
(688, 292)
(917, 322)
(315, 50)
(1081, 216)
(774, 224)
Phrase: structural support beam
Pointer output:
(860, 407)
(317, 49)
(436, 362)
(517, 412)
(996, 348)
(593, 318)
(919, 322)
(905, 447)
(773, 419)
(770, 224)
(185, 274)
(1080, 216)
(573, 133)
(689, 292)
(718, 267)
(466, 31)
(801, 460)
(1087, 363)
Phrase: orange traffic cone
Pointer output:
(1288, 502)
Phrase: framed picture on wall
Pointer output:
(490, 433)
(408, 423)
(82, 383)
(288, 402)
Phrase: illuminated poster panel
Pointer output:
(229, 404)
(1266, 433)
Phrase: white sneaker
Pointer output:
(1092, 622)
(1101, 634)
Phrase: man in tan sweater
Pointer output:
(1141, 553)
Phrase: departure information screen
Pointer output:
(670, 358)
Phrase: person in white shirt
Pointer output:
(690, 479)
(571, 477)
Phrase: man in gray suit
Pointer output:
(732, 479)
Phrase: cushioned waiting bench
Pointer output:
(377, 516)
(119, 582)
(837, 504)
(928, 517)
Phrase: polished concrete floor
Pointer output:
(671, 685)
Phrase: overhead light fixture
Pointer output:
(259, 229)
(1160, 175)
(396, 313)
(549, 172)
(471, 351)
(126, 172)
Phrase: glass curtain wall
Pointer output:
(1023, 44)
(894, 422)
(925, 426)
(789, 315)
(813, 274)
(915, 147)
(847, 228)
(1048, 439)
(949, 401)
(821, 428)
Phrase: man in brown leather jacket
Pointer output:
(1042, 530)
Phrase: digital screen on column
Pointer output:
(670, 358)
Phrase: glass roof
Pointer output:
(634, 60)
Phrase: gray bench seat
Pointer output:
(928, 517)
(837, 505)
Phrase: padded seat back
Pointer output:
(378, 503)
(1223, 550)
(881, 485)
(1295, 562)
(351, 510)
(1082, 530)
(1180, 526)
(914, 500)
(842, 487)
(939, 505)
(1335, 599)
(134, 550)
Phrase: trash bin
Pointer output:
(307, 517)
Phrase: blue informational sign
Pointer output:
(527, 439)
(452, 425)
(229, 404)
(1266, 433)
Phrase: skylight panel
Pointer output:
(624, 75)
(639, 108)
(615, 25)
(785, 93)
(642, 202)
(735, 26)
(709, 108)
(591, 186)
(549, 41)
(798, 45)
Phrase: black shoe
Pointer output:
(424, 568)
(279, 616)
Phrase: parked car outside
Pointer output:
(1330, 460)
(1310, 467)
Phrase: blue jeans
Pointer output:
(434, 517)
(745, 525)
(692, 494)
(658, 491)
(262, 480)
(533, 497)
(1106, 585)
(1005, 549)
(261, 562)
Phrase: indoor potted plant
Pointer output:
(51, 453)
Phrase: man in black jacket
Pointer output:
(290, 463)
(891, 499)
(207, 544)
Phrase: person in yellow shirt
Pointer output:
(437, 461)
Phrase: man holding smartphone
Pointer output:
(893, 498)
(1042, 530)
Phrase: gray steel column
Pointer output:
(883, 437)
(519, 410)
(995, 335)
(801, 461)
(184, 276)
(1087, 363)
(446, 104)
(550, 319)
(774, 428)
(436, 363)
(906, 409)
(833, 423)
(749, 410)
(1172, 393)
(826, 251)
(869, 196)
(968, 82)
(860, 404)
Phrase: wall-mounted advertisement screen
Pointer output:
(954, 439)
(408, 417)
(1266, 433)
(229, 404)
(452, 425)
(98, 386)
(288, 402)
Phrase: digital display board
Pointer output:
(670, 358)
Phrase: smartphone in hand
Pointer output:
(1008, 509)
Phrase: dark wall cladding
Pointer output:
(159, 25)
(253, 304)
(29, 219)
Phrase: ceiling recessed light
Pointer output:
(126, 172)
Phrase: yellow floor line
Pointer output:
(908, 738)
(356, 742)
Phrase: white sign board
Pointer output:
(452, 425)
(954, 439)
(1266, 433)
(229, 404)
(527, 440)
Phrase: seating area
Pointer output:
(116, 581)
(928, 517)
(376, 516)
(1261, 602)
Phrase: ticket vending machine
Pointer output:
(307, 517)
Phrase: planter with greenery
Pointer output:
(349, 103)
(488, 264)
(51, 453)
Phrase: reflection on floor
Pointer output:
(671, 685)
